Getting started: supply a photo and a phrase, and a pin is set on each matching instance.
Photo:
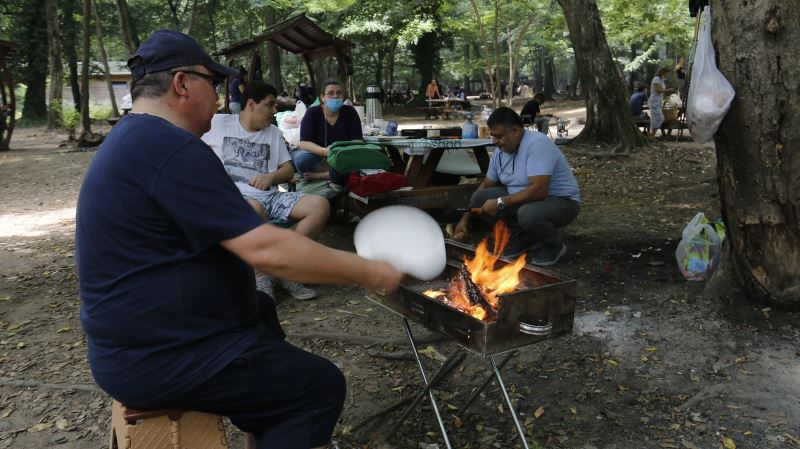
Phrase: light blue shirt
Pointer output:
(537, 155)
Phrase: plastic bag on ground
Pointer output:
(710, 94)
(698, 251)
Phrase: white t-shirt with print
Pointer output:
(246, 154)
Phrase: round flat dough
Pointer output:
(406, 237)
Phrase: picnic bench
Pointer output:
(436, 111)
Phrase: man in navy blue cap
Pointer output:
(165, 250)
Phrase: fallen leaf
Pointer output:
(61, 424)
(20, 345)
(64, 329)
(622, 387)
(320, 318)
(651, 349)
(39, 427)
(612, 362)
(8, 413)
(458, 423)
(539, 412)
(573, 410)
(728, 443)
(451, 406)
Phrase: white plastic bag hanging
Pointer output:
(710, 94)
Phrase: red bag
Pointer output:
(365, 185)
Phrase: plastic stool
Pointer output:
(165, 429)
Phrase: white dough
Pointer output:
(405, 237)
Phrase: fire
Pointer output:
(490, 282)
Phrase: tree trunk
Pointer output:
(756, 163)
(426, 58)
(87, 29)
(56, 71)
(572, 90)
(192, 19)
(487, 53)
(173, 9)
(70, 30)
(390, 64)
(273, 53)
(104, 59)
(498, 91)
(514, 48)
(549, 77)
(35, 71)
(608, 117)
(466, 82)
(128, 33)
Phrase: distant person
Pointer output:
(236, 89)
(322, 125)
(656, 101)
(530, 186)
(637, 101)
(432, 91)
(532, 113)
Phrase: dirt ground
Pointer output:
(654, 361)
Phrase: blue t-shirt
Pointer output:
(537, 155)
(164, 306)
(236, 96)
(314, 127)
(636, 103)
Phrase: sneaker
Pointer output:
(264, 284)
(549, 255)
(298, 291)
(516, 248)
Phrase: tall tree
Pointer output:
(86, 124)
(56, 70)
(756, 162)
(104, 59)
(192, 19)
(127, 31)
(608, 118)
(273, 52)
(33, 28)
(70, 43)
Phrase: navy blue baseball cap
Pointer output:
(167, 49)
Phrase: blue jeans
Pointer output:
(305, 161)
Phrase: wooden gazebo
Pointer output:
(8, 104)
(298, 35)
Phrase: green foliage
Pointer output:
(69, 119)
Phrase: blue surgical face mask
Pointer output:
(334, 104)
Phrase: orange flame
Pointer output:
(489, 281)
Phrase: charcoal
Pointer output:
(474, 294)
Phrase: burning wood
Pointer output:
(476, 288)
(474, 294)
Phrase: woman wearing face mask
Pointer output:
(658, 88)
(332, 121)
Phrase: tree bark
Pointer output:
(514, 48)
(56, 71)
(549, 77)
(487, 54)
(70, 42)
(608, 117)
(87, 29)
(192, 18)
(273, 52)
(104, 59)
(128, 33)
(757, 165)
(35, 71)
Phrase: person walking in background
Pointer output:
(237, 87)
(656, 101)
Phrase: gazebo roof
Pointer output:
(298, 34)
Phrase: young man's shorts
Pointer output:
(277, 204)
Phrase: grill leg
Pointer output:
(430, 392)
(511, 410)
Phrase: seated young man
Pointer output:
(532, 110)
(256, 158)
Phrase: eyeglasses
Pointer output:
(213, 79)
(335, 94)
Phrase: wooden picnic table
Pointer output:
(422, 156)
